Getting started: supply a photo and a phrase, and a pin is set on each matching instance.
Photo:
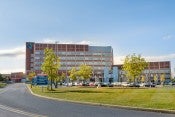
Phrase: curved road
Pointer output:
(16, 101)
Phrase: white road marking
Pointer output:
(2, 91)
(20, 111)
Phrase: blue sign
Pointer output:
(29, 46)
(40, 80)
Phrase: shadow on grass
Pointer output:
(76, 91)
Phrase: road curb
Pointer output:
(106, 105)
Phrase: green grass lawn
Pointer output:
(2, 85)
(157, 98)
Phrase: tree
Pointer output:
(59, 78)
(155, 78)
(73, 73)
(50, 65)
(85, 72)
(62, 77)
(134, 65)
(30, 76)
(1, 78)
(143, 78)
(172, 79)
(162, 78)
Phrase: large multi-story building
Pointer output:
(154, 70)
(71, 55)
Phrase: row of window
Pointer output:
(77, 58)
(69, 68)
(157, 71)
(79, 63)
(75, 53)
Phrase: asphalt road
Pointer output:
(16, 101)
(6, 113)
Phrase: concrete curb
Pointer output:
(106, 105)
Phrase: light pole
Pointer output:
(56, 47)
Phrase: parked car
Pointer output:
(74, 84)
(67, 84)
(150, 85)
(110, 85)
(84, 84)
(91, 84)
(142, 84)
(173, 83)
(104, 84)
(116, 83)
(134, 85)
(96, 83)
(125, 84)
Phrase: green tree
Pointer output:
(50, 66)
(155, 78)
(162, 78)
(134, 65)
(143, 78)
(62, 77)
(73, 74)
(85, 72)
(1, 78)
(172, 79)
(30, 76)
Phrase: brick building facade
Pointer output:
(16, 76)
(71, 55)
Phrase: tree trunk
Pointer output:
(56, 84)
(51, 85)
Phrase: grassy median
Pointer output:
(157, 98)
(2, 85)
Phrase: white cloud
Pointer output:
(12, 64)
(118, 60)
(61, 41)
(8, 71)
(12, 60)
(168, 37)
(85, 42)
(18, 51)
(169, 57)
(48, 40)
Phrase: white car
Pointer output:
(116, 83)
(142, 84)
(125, 84)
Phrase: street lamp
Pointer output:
(56, 42)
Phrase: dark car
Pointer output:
(173, 83)
(104, 84)
(150, 85)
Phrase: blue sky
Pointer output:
(144, 27)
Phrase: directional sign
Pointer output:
(40, 80)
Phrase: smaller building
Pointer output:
(152, 73)
(111, 75)
(17, 76)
